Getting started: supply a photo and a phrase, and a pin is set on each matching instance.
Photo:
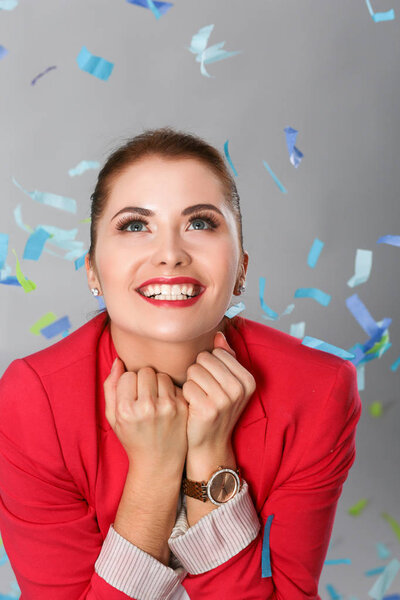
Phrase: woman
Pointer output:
(143, 455)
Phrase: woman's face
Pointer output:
(132, 248)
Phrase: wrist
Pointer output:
(202, 463)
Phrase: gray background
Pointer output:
(324, 68)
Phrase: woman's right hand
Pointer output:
(148, 414)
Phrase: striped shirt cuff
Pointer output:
(136, 573)
(217, 536)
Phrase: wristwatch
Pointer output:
(222, 486)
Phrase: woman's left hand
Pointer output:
(217, 390)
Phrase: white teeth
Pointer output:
(168, 290)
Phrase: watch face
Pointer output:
(223, 487)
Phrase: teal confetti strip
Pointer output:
(271, 315)
(393, 240)
(314, 253)
(79, 262)
(395, 365)
(381, 16)
(159, 8)
(295, 155)
(313, 342)
(338, 561)
(376, 571)
(83, 166)
(274, 177)
(234, 310)
(56, 327)
(333, 593)
(382, 550)
(61, 202)
(314, 293)
(362, 268)
(228, 157)
(265, 557)
(361, 377)
(200, 39)
(384, 581)
(8, 4)
(95, 65)
(298, 329)
(208, 55)
(3, 249)
(35, 244)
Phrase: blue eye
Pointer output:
(125, 222)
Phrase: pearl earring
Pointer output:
(242, 288)
(95, 291)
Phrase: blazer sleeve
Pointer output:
(303, 508)
(50, 533)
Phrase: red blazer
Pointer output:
(63, 469)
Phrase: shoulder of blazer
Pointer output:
(70, 350)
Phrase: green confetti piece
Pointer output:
(358, 507)
(375, 409)
(378, 345)
(394, 524)
(48, 318)
(26, 283)
(85, 220)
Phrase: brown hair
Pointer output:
(167, 143)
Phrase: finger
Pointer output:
(211, 386)
(239, 371)
(110, 389)
(147, 385)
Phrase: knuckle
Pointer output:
(203, 355)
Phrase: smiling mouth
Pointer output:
(170, 297)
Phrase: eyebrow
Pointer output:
(146, 212)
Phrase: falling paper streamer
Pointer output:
(381, 16)
(228, 157)
(298, 329)
(41, 74)
(375, 409)
(361, 377)
(34, 245)
(314, 253)
(206, 55)
(393, 240)
(3, 51)
(5, 272)
(362, 268)
(157, 8)
(383, 583)
(8, 4)
(333, 593)
(393, 523)
(41, 323)
(382, 550)
(26, 283)
(83, 166)
(3, 249)
(358, 507)
(234, 310)
(365, 320)
(274, 177)
(95, 65)
(395, 365)
(271, 314)
(317, 295)
(79, 262)
(265, 557)
(376, 571)
(61, 202)
(295, 155)
(338, 561)
(56, 327)
(313, 342)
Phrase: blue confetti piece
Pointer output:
(200, 39)
(384, 581)
(338, 561)
(295, 155)
(381, 16)
(61, 202)
(298, 329)
(11, 280)
(83, 166)
(95, 65)
(313, 342)
(333, 593)
(314, 293)
(8, 4)
(376, 571)
(271, 313)
(365, 320)
(56, 327)
(3, 249)
(234, 310)
(265, 557)
(382, 550)
(35, 243)
(3, 51)
(160, 7)
(212, 53)
(33, 82)
(395, 365)
(314, 253)
(79, 262)
(362, 268)
(228, 156)
(393, 240)
(274, 177)
(101, 302)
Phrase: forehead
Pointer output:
(157, 179)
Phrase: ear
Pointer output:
(245, 264)
(91, 275)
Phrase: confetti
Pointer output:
(312, 342)
(271, 314)
(3, 52)
(295, 155)
(3, 249)
(265, 557)
(298, 329)
(41, 74)
(393, 240)
(26, 283)
(228, 157)
(83, 166)
(35, 244)
(362, 268)
(358, 507)
(383, 582)
(382, 551)
(56, 327)
(95, 65)
(157, 8)
(274, 177)
(48, 318)
(394, 524)
(317, 295)
(381, 16)
(198, 46)
(338, 561)
(61, 202)
(8, 4)
(314, 253)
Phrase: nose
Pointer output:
(170, 250)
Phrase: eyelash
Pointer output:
(208, 217)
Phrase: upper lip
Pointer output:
(171, 281)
